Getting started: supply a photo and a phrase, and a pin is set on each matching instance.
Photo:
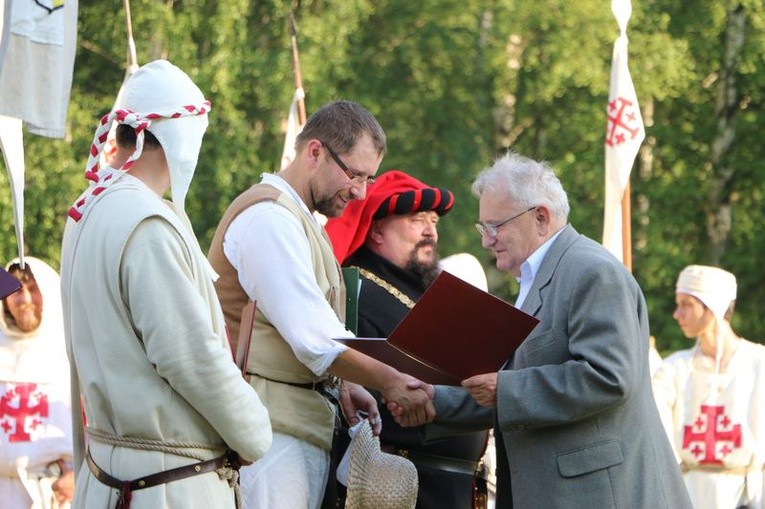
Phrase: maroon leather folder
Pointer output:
(382, 350)
(8, 283)
(454, 331)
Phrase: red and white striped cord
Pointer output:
(140, 122)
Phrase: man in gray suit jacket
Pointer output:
(574, 416)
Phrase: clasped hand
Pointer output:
(483, 389)
(410, 401)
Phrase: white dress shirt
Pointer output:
(269, 249)
(530, 267)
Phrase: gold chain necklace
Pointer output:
(406, 301)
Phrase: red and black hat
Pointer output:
(394, 192)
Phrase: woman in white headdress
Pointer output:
(712, 397)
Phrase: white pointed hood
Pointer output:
(162, 99)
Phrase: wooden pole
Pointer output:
(627, 228)
(296, 69)
(132, 55)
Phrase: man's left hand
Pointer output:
(353, 398)
(483, 388)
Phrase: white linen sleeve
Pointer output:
(268, 247)
(175, 323)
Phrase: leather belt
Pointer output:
(454, 465)
(323, 387)
(230, 459)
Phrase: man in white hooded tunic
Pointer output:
(712, 397)
(35, 408)
(145, 332)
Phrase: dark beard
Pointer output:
(426, 270)
(328, 208)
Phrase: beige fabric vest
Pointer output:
(295, 411)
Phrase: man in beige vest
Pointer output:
(269, 247)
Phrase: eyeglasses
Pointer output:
(491, 230)
(355, 177)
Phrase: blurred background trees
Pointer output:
(456, 83)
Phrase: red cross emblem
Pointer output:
(623, 122)
(22, 408)
(712, 436)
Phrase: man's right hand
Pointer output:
(410, 401)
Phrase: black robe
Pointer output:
(379, 313)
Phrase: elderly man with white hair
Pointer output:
(711, 396)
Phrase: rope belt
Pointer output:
(226, 466)
(228, 460)
(147, 444)
(454, 465)
(718, 470)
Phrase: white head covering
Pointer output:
(162, 99)
(466, 267)
(714, 287)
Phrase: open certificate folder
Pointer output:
(454, 331)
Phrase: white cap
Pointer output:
(714, 287)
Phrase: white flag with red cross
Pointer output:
(624, 132)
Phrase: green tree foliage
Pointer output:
(454, 83)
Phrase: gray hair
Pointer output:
(525, 182)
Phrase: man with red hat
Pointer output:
(391, 236)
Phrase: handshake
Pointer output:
(412, 403)
(409, 400)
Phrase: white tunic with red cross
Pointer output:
(35, 414)
(716, 423)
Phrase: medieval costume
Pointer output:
(35, 409)
(447, 469)
(713, 407)
(264, 230)
(145, 333)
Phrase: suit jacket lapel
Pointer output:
(533, 301)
